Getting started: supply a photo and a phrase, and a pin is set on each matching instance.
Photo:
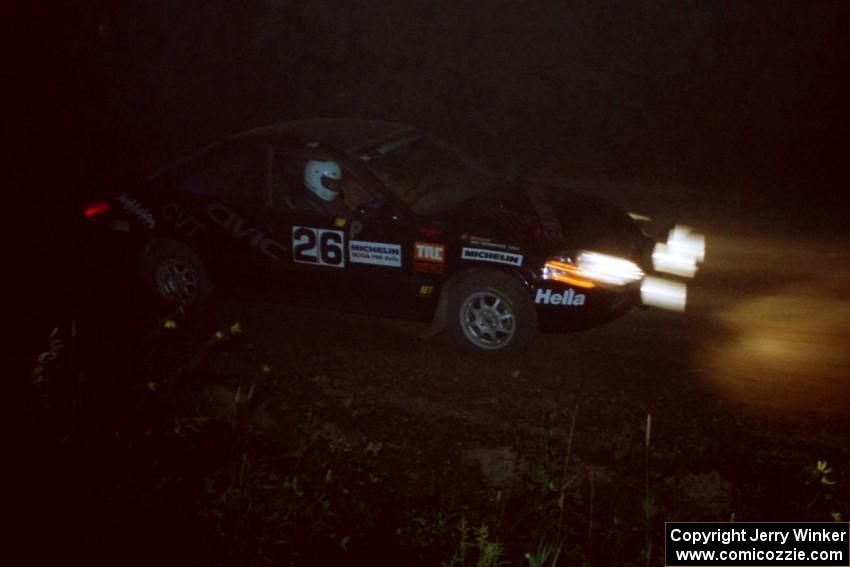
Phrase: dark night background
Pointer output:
(742, 102)
(732, 97)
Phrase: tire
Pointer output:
(490, 313)
(175, 274)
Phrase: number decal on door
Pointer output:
(317, 246)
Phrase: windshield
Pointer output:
(426, 174)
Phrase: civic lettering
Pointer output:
(238, 230)
(223, 216)
(272, 249)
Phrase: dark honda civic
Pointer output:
(383, 218)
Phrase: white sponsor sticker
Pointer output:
(495, 256)
(318, 246)
(550, 297)
(376, 253)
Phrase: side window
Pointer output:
(289, 191)
(239, 177)
(354, 193)
(287, 183)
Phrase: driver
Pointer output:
(323, 180)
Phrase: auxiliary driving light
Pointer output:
(663, 293)
(681, 254)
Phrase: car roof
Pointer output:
(345, 134)
(348, 135)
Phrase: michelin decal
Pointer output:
(375, 253)
(494, 256)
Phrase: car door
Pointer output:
(382, 254)
(346, 254)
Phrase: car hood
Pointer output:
(552, 219)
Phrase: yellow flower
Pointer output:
(152, 386)
(219, 335)
(265, 368)
(170, 324)
(235, 328)
(822, 467)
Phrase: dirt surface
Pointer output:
(305, 436)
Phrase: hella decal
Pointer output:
(135, 208)
(568, 297)
(491, 256)
(375, 253)
(236, 225)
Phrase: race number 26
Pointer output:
(317, 246)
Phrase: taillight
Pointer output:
(96, 208)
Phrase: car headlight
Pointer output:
(588, 269)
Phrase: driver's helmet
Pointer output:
(323, 178)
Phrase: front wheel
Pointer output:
(491, 313)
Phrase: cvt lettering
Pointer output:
(181, 218)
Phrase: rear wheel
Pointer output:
(176, 274)
(491, 313)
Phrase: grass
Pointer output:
(217, 442)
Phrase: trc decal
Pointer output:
(428, 257)
(429, 252)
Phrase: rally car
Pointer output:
(383, 218)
